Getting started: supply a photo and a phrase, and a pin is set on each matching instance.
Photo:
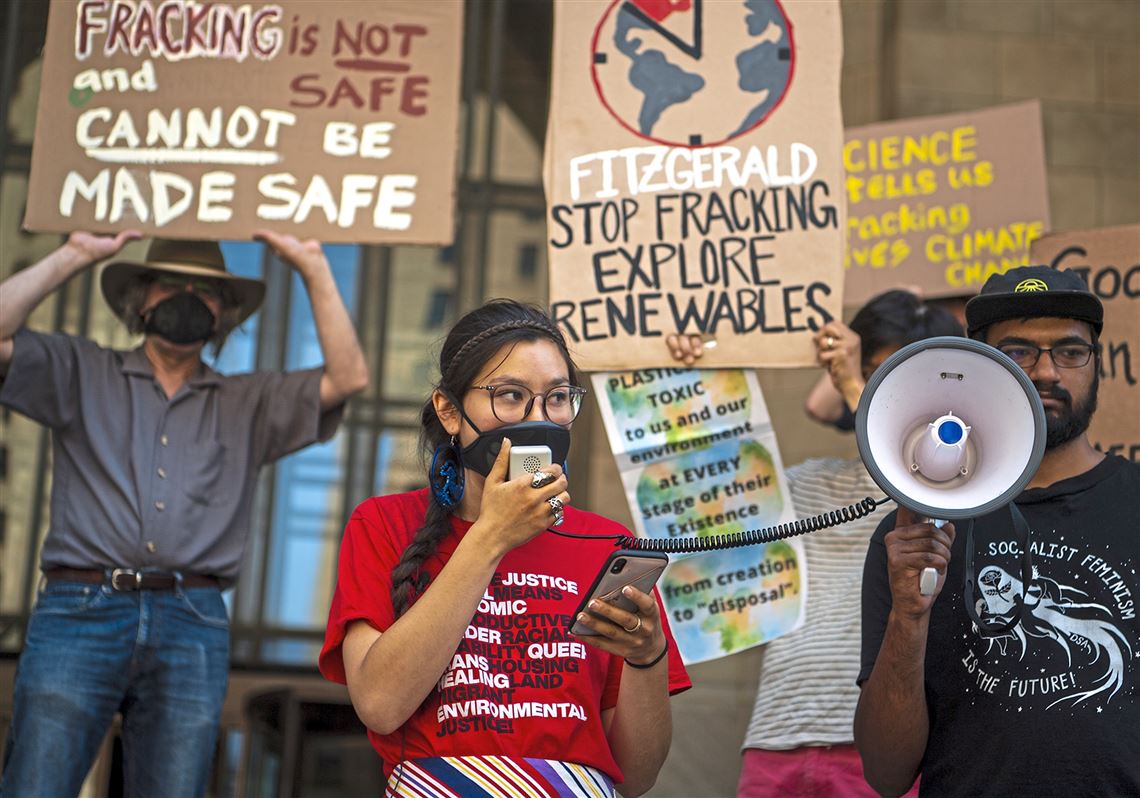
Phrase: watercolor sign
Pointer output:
(698, 458)
(721, 602)
(693, 176)
(337, 120)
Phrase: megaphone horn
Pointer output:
(950, 428)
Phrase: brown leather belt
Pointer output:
(130, 579)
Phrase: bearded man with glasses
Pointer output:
(1051, 707)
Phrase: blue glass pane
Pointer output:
(384, 448)
(239, 355)
(398, 464)
(290, 652)
(244, 258)
(438, 309)
(528, 260)
(304, 536)
(304, 347)
(305, 530)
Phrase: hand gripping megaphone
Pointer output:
(952, 429)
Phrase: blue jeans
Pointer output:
(159, 657)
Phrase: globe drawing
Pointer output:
(692, 73)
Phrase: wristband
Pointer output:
(656, 659)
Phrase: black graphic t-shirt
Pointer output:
(1053, 706)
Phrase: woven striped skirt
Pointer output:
(496, 776)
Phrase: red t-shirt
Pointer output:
(519, 685)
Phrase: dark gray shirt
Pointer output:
(139, 480)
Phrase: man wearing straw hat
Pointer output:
(155, 459)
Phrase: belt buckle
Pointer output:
(126, 579)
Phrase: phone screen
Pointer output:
(641, 569)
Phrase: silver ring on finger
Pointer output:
(541, 479)
(556, 507)
(635, 627)
(829, 342)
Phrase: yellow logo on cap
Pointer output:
(1030, 285)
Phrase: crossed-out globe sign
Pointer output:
(692, 73)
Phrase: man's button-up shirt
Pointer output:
(142, 480)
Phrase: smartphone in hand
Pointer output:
(641, 569)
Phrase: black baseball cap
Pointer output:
(1032, 291)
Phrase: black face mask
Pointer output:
(480, 454)
(182, 319)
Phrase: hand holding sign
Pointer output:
(686, 348)
(304, 257)
(93, 248)
(840, 351)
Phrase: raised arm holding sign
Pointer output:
(157, 457)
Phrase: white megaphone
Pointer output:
(950, 428)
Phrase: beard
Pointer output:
(1072, 419)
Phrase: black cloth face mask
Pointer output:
(480, 454)
(181, 319)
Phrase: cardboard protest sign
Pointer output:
(209, 120)
(940, 203)
(693, 178)
(698, 457)
(1109, 261)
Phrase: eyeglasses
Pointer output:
(513, 403)
(211, 288)
(1065, 356)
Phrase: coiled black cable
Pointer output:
(750, 537)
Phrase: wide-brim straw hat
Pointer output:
(188, 258)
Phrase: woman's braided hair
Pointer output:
(472, 342)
